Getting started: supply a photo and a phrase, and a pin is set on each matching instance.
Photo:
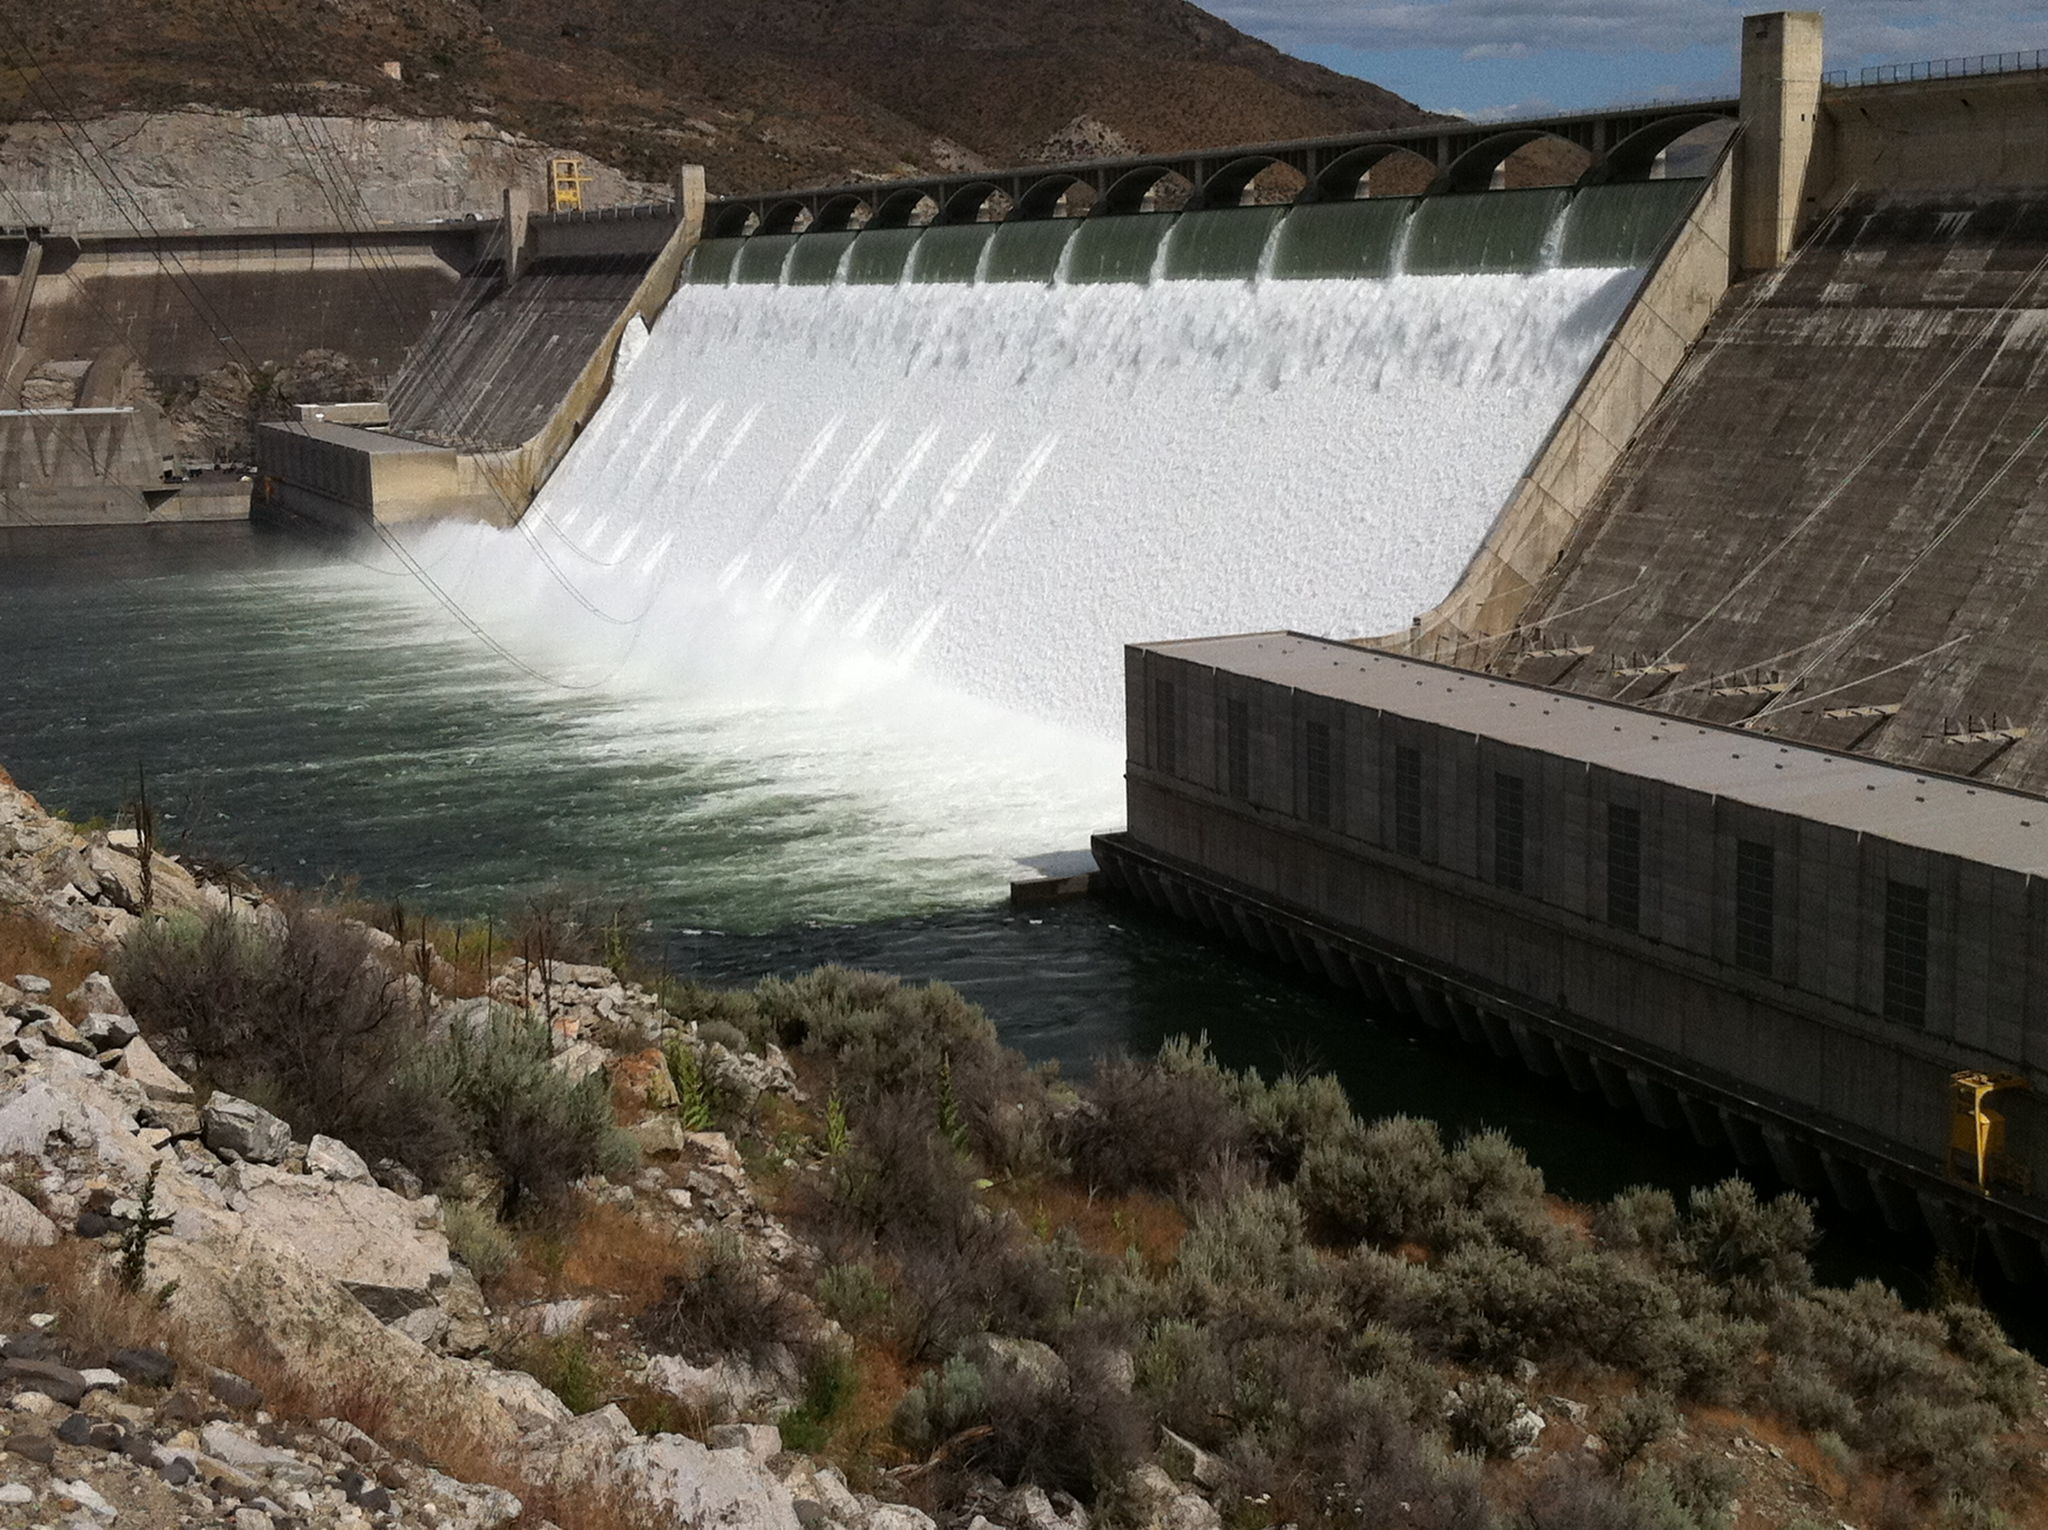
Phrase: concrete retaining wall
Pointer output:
(1985, 134)
(173, 305)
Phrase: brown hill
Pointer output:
(764, 93)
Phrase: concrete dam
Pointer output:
(1668, 539)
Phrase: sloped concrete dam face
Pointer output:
(989, 455)
(1836, 526)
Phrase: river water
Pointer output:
(284, 717)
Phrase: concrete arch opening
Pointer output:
(1054, 196)
(790, 217)
(1379, 169)
(1512, 159)
(909, 207)
(840, 214)
(1255, 178)
(1677, 146)
(1149, 188)
(733, 222)
(1275, 186)
(981, 202)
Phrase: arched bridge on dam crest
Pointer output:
(1624, 143)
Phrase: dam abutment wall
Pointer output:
(1677, 300)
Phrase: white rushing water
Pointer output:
(892, 540)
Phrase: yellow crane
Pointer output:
(566, 181)
(1976, 1143)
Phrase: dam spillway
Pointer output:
(992, 454)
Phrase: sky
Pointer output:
(1501, 58)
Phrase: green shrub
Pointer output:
(1155, 1126)
(566, 1365)
(944, 1401)
(1496, 1195)
(829, 1385)
(696, 1096)
(1290, 1114)
(307, 1015)
(1568, 1496)
(694, 1003)
(723, 1033)
(1068, 1434)
(1492, 1306)
(1710, 1357)
(476, 1237)
(1483, 1418)
(1630, 1425)
(852, 1295)
(542, 1129)
(2007, 1378)
(1756, 1250)
(1641, 1219)
(1385, 1183)
(901, 1191)
(728, 1305)
(1251, 1242)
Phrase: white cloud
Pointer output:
(1858, 30)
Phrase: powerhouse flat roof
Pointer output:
(1932, 812)
(377, 441)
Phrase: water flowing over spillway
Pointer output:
(869, 517)
(996, 486)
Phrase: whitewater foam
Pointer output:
(996, 487)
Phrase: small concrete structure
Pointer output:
(327, 473)
(1783, 951)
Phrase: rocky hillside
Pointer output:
(310, 1223)
(215, 169)
(764, 93)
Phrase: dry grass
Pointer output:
(26, 945)
(860, 1434)
(1109, 1225)
(592, 1250)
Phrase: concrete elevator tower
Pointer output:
(1781, 69)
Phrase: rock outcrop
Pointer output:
(206, 168)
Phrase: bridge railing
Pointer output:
(1943, 68)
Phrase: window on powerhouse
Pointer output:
(1407, 800)
(1624, 867)
(1237, 748)
(1166, 726)
(1315, 772)
(1905, 954)
(1756, 905)
(1510, 831)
